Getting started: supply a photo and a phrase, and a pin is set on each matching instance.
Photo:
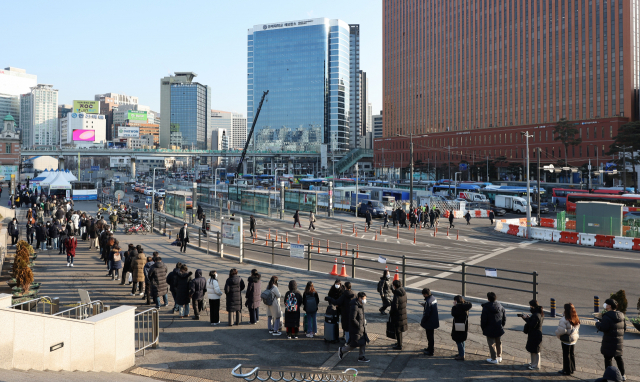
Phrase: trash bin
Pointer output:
(208, 225)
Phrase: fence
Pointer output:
(147, 330)
(279, 374)
(44, 305)
(83, 311)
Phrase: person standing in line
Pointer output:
(492, 321)
(460, 327)
(312, 219)
(467, 217)
(213, 294)
(252, 296)
(137, 272)
(430, 321)
(568, 332)
(357, 328)
(343, 303)
(310, 303)
(385, 223)
(612, 326)
(115, 259)
(398, 312)
(232, 289)
(296, 219)
(183, 235)
(93, 234)
(252, 226)
(534, 333)
(41, 237)
(157, 281)
(274, 312)
(147, 284)
(385, 291)
(30, 232)
(126, 267)
(172, 281)
(197, 289)
(72, 244)
(292, 301)
(182, 290)
(492, 216)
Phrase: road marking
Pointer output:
(415, 277)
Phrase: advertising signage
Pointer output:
(84, 135)
(88, 107)
(139, 116)
(128, 132)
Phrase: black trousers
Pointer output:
(568, 358)
(385, 304)
(140, 287)
(619, 362)
(197, 306)
(183, 246)
(399, 337)
(214, 311)
(14, 240)
(430, 340)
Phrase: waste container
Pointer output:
(208, 225)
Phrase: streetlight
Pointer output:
(527, 135)
(410, 136)
(153, 198)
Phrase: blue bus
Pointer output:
(450, 189)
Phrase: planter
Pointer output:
(31, 294)
(17, 300)
(33, 286)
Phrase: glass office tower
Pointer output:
(189, 113)
(305, 66)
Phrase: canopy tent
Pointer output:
(69, 176)
(56, 181)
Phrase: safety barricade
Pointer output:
(588, 239)
(636, 245)
(522, 232)
(505, 228)
(604, 241)
(548, 235)
(513, 230)
(569, 237)
(477, 213)
(498, 226)
(621, 242)
(458, 214)
(571, 224)
(537, 233)
(556, 236)
(549, 223)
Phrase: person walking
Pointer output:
(232, 289)
(533, 329)
(172, 282)
(30, 232)
(14, 231)
(568, 332)
(274, 312)
(252, 226)
(460, 327)
(292, 301)
(357, 328)
(385, 291)
(492, 321)
(296, 219)
(398, 312)
(312, 219)
(72, 244)
(252, 296)
(343, 303)
(367, 218)
(451, 217)
(612, 326)
(197, 289)
(430, 321)
(183, 279)
(467, 217)
(137, 272)
(157, 282)
(213, 294)
(310, 303)
(183, 235)
(115, 259)
(385, 223)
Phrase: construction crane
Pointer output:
(253, 125)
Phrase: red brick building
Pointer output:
(9, 143)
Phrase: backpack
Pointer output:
(291, 303)
(311, 304)
(267, 297)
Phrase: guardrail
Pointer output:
(279, 374)
(82, 311)
(147, 330)
(44, 305)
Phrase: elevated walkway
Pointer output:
(352, 158)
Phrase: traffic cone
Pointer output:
(334, 271)
(386, 268)
(266, 239)
(458, 234)
(327, 245)
(358, 252)
(396, 276)
(298, 239)
(343, 272)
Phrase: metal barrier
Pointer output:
(83, 311)
(44, 305)
(147, 330)
(269, 374)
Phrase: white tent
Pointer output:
(56, 181)
(69, 176)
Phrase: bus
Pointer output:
(629, 201)
(492, 191)
(559, 195)
(450, 189)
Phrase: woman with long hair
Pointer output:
(534, 333)
(310, 303)
(214, 293)
(460, 313)
(568, 334)
(274, 312)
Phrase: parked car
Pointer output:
(498, 211)
(149, 191)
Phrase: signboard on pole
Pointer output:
(296, 250)
(95, 168)
(232, 231)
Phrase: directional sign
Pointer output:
(148, 201)
(95, 168)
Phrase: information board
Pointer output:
(297, 250)
(232, 231)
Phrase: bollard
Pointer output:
(327, 245)
(266, 239)
(340, 229)
(254, 238)
(298, 239)
(312, 242)
(553, 307)
(457, 234)
(376, 238)
(287, 237)
(273, 253)
(464, 279)
(353, 265)
(365, 228)
(340, 249)
(398, 231)
(354, 228)
(596, 304)
(414, 236)
(281, 244)
(276, 235)
(380, 230)
(269, 233)
(318, 245)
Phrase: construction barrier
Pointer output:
(569, 237)
(588, 239)
(604, 241)
(636, 245)
(621, 242)
(522, 232)
(549, 223)
(548, 235)
(537, 233)
(556, 236)
(513, 229)
(571, 224)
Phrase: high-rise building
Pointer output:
(185, 105)
(13, 83)
(219, 139)
(363, 100)
(39, 116)
(377, 125)
(120, 99)
(109, 101)
(305, 66)
(369, 117)
(234, 124)
(83, 130)
(355, 87)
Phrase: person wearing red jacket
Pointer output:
(71, 245)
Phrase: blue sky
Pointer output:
(85, 48)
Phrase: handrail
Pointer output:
(42, 301)
(147, 330)
(275, 375)
(81, 312)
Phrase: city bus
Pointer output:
(559, 195)
(492, 191)
(450, 189)
(627, 200)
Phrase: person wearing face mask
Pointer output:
(357, 328)
(343, 303)
(214, 293)
(460, 327)
(384, 288)
(334, 293)
(398, 312)
(14, 231)
(612, 326)
(184, 238)
(533, 328)
(430, 321)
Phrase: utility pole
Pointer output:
(449, 148)
(527, 136)
(538, 179)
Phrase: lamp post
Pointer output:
(153, 198)
(215, 183)
(527, 136)
(356, 189)
(410, 136)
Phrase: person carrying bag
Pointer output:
(568, 334)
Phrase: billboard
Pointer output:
(89, 107)
(128, 132)
(138, 116)
(84, 135)
(7, 171)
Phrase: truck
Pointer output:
(473, 196)
(511, 203)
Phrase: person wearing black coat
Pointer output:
(197, 290)
(534, 333)
(358, 337)
(252, 296)
(30, 232)
(492, 216)
(158, 282)
(343, 302)
(232, 289)
(398, 312)
(14, 231)
(172, 282)
(451, 225)
(41, 236)
(296, 219)
(54, 234)
(367, 217)
(385, 290)
(460, 313)
(492, 321)
(612, 326)
(252, 226)
(126, 267)
(292, 303)
(335, 292)
(183, 235)
(182, 280)
(430, 320)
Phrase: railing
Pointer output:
(83, 311)
(42, 305)
(3, 250)
(279, 374)
(147, 330)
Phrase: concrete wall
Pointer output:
(100, 343)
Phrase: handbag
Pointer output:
(460, 326)
(391, 331)
(566, 337)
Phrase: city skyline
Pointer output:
(84, 76)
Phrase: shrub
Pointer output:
(23, 274)
(621, 298)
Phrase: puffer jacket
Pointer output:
(254, 288)
(233, 288)
(213, 289)
(137, 266)
(612, 328)
(492, 319)
(344, 303)
(565, 327)
(534, 337)
(460, 313)
(198, 286)
(357, 324)
(158, 279)
(182, 280)
(384, 288)
(398, 311)
(430, 319)
(275, 310)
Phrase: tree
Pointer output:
(567, 133)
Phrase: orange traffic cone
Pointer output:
(334, 271)
(386, 268)
(343, 272)
(396, 276)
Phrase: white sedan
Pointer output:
(149, 191)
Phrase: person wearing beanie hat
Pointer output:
(292, 302)
(612, 327)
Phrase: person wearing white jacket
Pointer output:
(274, 312)
(214, 293)
(568, 333)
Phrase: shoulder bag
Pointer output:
(566, 338)
(460, 326)
(391, 331)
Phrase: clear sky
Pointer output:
(85, 48)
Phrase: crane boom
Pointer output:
(253, 125)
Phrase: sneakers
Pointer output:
(277, 333)
(289, 337)
(72, 265)
(295, 337)
(340, 353)
(493, 361)
(499, 359)
(532, 368)
(133, 294)
(363, 359)
(141, 294)
(68, 264)
(271, 331)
